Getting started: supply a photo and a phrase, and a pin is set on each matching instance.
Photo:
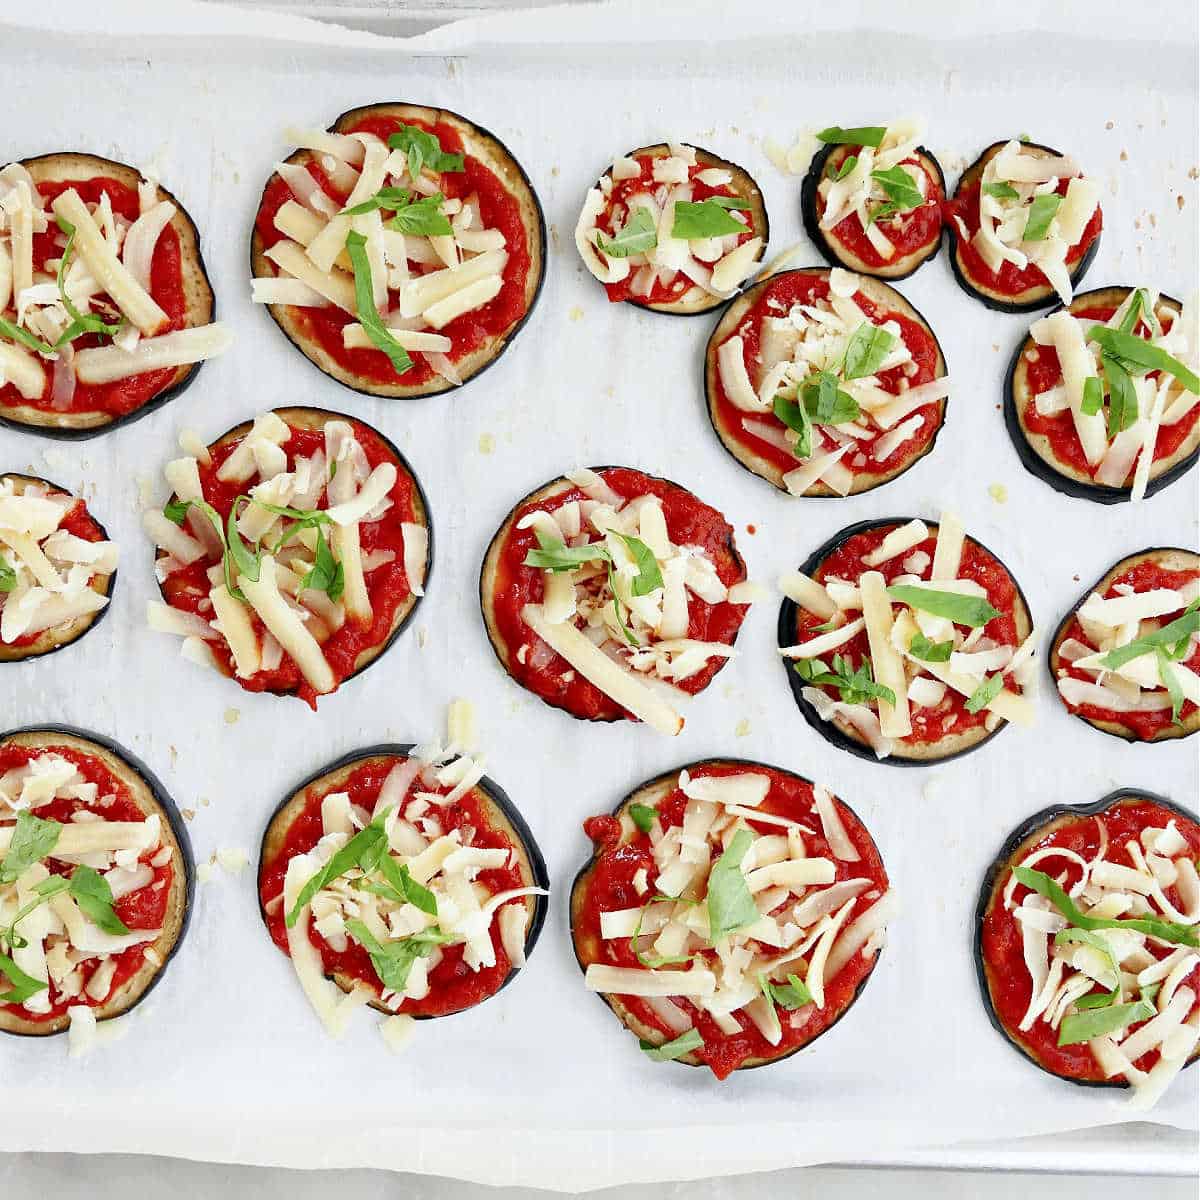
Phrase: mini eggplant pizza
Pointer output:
(825, 383)
(401, 250)
(872, 200)
(292, 552)
(1026, 225)
(1126, 659)
(613, 595)
(95, 882)
(672, 228)
(907, 642)
(405, 879)
(1102, 399)
(105, 307)
(730, 914)
(57, 568)
(1086, 942)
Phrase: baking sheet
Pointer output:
(540, 1086)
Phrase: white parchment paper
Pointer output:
(540, 1085)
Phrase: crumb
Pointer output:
(752, 529)
(998, 492)
(1137, 222)
(1108, 124)
(576, 313)
(742, 728)
(1075, 578)
(931, 788)
(1194, 173)
(145, 486)
(487, 443)
(422, 637)
(204, 801)
(554, 236)
(996, 346)
(174, 753)
(232, 859)
(554, 172)
(189, 814)
(203, 872)
(1179, 202)
(232, 715)
(1124, 155)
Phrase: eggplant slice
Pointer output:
(197, 291)
(153, 799)
(1016, 846)
(502, 814)
(477, 143)
(833, 251)
(743, 183)
(306, 417)
(1034, 449)
(1031, 298)
(651, 793)
(1170, 558)
(489, 572)
(844, 736)
(60, 636)
(864, 481)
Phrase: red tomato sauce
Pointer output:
(623, 190)
(498, 209)
(950, 717)
(1010, 280)
(453, 986)
(689, 523)
(611, 887)
(1010, 984)
(144, 909)
(387, 585)
(122, 396)
(1045, 372)
(908, 231)
(1144, 577)
(776, 300)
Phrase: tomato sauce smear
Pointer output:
(690, 522)
(610, 887)
(453, 986)
(776, 300)
(122, 396)
(1008, 978)
(144, 909)
(498, 209)
(1143, 577)
(387, 585)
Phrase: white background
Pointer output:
(540, 1085)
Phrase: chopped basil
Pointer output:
(95, 899)
(855, 685)
(1082, 1027)
(365, 849)
(364, 305)
(791, 995)
(637, 235)
(643, 816)
(176, 511)
(730, 202)
(44, 892)
(1171, 638)
(649, 576)
(866, 349)
(1001, 191)
(643, 958)
(247, 562)
(24, 337)
(1122, 396)
(685, 1043)
(398, 875)
(863, 135)
(1168, 931)
(1097, 943)
(1130, 319)
(327, 574)
(901, 189)
(393, 961)
(423, 149)
(23, 986)
(703, 219)
(422, 218)
(1041, 212)
(80, 322)
(848, 165)
(1139, 356)
(921, 647)
(391, 198)
(826, 403)
(1093, 396)
(985, 693)
(1169, 680)
(730, 904)
(553, 555)
(8, 577)
(795, 417)
(32, 839)
(829, 626)
(962, 610)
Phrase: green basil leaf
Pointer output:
(398, 875)
(685, 1043)
(91, 892)
(17, 334)
(45, 891)
(900, 187)
(863, 135)
(423, 149)
(1002, 191)
(23, 986)
(327, 574)
(637, 235)
(1177, 631)
(649, 576)
(1041, 212)
(643, 816)
(791, 995)
(80, 322)
(1136, 351)
(962, 610)
(244, 560)
(795, 417)
(612, 584)
(730, 905)
(1136, 304)
(826, 403)
(865, 351)
(553, 555)
(364, 305)
(921, 647)
(32, 840)
(393, 961)
(8, 577)
(643, 958)
(176, 511)
(1093, 396)
(424, 218)
(1122, 396)
(848, 164)
(1082, 1027)
(391, 198)
(1166, 674)
(703, 219)
(985, 693)
(363, 845)
(855, 685)
(1095, 1000)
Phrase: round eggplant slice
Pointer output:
(695, 300)
(1166, 558)
(589, 947)
(501, 814)
(1036, 296)
(492, 582)
(56, 638)
(840, 732)
(834, 250)
(726, 418)
(305, 417)
(1034, 445)
(199, 304)
(149, 795)
(1016, 847)
(478, 144)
